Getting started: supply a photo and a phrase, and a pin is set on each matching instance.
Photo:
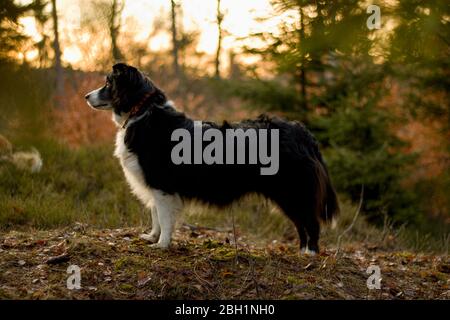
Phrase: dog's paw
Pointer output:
(308, 252)
(149, 237)
(159, 245)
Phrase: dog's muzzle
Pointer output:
(93, 100)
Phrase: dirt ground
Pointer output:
(205, 264)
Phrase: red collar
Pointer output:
(137, 107)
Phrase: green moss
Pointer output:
(223, 254)
(126, 287)
(212, 244)
(120, 263)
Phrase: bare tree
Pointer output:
(219, 17)
(175, 44)
(58, 66)
(235, 71)
(45, 45)
(114, 22)
(302, 69)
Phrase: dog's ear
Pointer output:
(121, 67)
(128, 73)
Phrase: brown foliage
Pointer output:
(78, 124)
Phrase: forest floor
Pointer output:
(205, 264)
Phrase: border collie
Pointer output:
(301, 187)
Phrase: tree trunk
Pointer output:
(114, 27)
(176, 66)
(302, 71)
(219, 39)
(234, 69)
(58, 67)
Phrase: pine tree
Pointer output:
(59, 91)
(115, 11)
(326, 76)
(310, 42)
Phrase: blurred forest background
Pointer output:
(376, 99)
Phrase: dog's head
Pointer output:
(124, 88)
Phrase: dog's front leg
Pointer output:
(167, 207)
(156, 229)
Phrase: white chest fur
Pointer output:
(132, 170)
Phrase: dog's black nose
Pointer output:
(87, 96)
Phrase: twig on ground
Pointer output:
(252, 268)
(208, 285)
(199, 228)
(338, 246)
(234, 234)
(245, 286)
(58, 259)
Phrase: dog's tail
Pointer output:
(327, 206)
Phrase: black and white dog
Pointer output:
(146, 120)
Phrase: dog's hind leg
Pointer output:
(167, 207)
(156, 229)
(300, 226)
(303, 237)
(308, 229)
(312, 227)
(301, 230)
(310, 224)
(301, 212)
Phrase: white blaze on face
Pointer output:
(93, 100)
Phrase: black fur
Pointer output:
(302, 187)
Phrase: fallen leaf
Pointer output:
(40, 242)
